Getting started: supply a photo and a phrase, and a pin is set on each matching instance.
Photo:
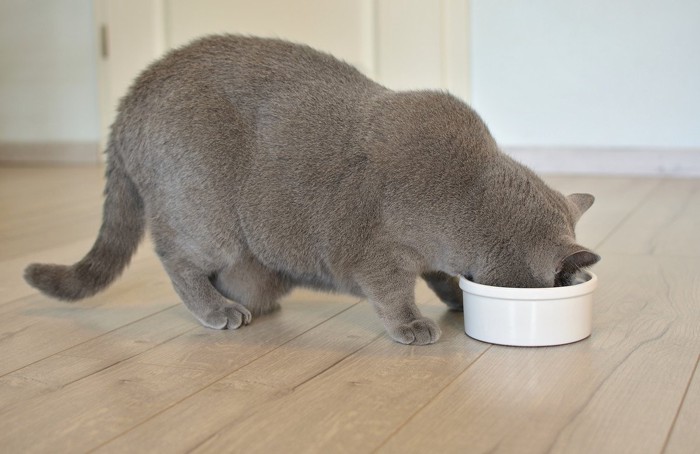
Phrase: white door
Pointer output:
(130, 35)
(403, 44)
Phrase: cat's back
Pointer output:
(262, 87)
(247, 70)
(230, 100)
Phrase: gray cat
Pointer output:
(261, 165)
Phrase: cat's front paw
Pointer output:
(421, 331)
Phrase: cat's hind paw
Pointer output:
(231, 316)
(421, 331)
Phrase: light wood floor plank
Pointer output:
(223, 350)
(262, 382)
(131, 370)
(35, 327)
(54, 372)
(616, 198)
(85, 413)
(353, 406)
(22, 189)
(615, 392)
(684, 436)
(45, 376)
(47, 207)
(76, 418)
(666, 224)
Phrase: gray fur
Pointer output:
(260, 165)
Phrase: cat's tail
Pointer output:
(123, 225)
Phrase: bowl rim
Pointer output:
(545, 293)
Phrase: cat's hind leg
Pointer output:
(390, 290)
(196, 290)
(446, 287)
(252, 284)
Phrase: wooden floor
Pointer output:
(131, 371)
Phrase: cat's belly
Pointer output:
(297, 252)
(325, 283)
(300, 262)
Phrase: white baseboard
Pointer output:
(50, 152)
(675, 162)
(608, 161)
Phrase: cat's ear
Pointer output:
(578, 257)
(582, 202)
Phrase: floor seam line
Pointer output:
(680, 406)
(226, 374)
(401, 426)
(87, 340)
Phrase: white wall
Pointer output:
(48, 83)
(596, 73)
(544, 73)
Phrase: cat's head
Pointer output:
(535, 245)
(469, 208)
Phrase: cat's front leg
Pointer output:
(446, 287)
(392, 295)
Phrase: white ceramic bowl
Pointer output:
(529, 317)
